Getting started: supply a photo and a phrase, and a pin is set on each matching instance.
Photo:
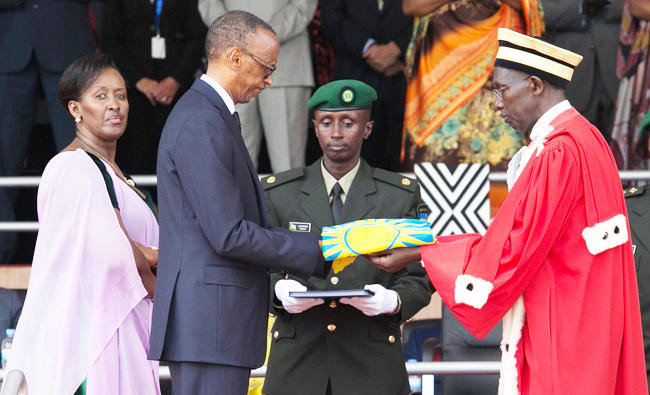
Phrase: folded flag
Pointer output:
(372, 235)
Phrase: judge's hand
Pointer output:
(384, 301)
(166, 91)
(294, 305)
(396, 259)
(147, 87)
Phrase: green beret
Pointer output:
(342, 95)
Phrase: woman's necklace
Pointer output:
(116, 169)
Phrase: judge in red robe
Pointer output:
(556, 263)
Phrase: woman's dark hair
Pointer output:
(81, 74)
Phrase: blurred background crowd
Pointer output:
(429, 61)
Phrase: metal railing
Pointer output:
(147, 180)
(151, 180)
(476, 368)
(426, 371)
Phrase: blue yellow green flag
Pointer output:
(345, 241)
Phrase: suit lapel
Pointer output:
(357, 204)
(315, 202)
(235, 129)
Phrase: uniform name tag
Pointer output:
(299, 226)
(158, 48)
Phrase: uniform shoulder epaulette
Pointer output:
(635, 191)
(395, 179)
(281, 178)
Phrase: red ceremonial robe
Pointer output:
(559, 243)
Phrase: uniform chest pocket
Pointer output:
(384, 330)
(227, 275)
(283, 329)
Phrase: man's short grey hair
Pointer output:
(232, 29)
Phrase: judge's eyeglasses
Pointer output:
(498, 92)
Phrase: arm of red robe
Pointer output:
(502, 263)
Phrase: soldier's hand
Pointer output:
(290, 304)
(384, 301)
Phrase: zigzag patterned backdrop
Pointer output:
(458, 198)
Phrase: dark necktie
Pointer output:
(337, 203)
(236, 116)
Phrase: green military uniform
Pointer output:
(638, 212)
(335, 342)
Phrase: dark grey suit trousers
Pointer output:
(193, 378)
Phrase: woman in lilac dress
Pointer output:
(86, 319)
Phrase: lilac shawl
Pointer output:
(84, 284)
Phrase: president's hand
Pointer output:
(396, 259)
(294, 305)
(384, 301)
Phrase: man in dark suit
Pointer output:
(209, 316)
(370, 38)
(155, 82)
(38, 40)
(590, 28)
(351, 345)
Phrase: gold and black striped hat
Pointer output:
(537, 57)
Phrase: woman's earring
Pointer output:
(77, 120)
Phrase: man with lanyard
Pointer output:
(157, 44)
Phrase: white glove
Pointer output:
(384, 301)
(294, 305)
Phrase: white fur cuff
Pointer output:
(472, 291)
(605, 235)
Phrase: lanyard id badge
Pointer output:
(158, 47)
(158, 50)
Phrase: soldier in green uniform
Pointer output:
(637, 200)
(351, 345)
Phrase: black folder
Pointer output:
(332, 294)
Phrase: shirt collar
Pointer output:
(543, 125)
(345, 181)
(221, 92)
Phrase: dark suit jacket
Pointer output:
(363, 355)
(596, 39)
(350, 23)
(129, 26)
(56, 31)
(211, 297)
(638, 212)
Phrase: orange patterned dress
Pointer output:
(448, 116)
